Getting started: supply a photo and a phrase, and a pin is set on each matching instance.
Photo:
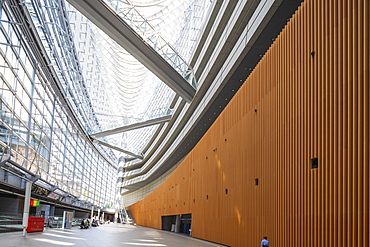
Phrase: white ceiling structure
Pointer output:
(134, 93)
(217, 42)
(156, 74)
(144, 80)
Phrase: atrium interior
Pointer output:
(217, 121)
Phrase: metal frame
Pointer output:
(113, 25)
(132, 126)
(43, 114)
(118, 149)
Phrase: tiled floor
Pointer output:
(110, 235)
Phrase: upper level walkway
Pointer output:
(103, 236)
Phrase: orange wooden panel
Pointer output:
(307, 98)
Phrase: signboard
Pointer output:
(39, 190)
(34, 203)
(55, 196)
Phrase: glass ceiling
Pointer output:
(106, 86)
(134, 93)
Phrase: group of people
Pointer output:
(85, 223)
(95, 223)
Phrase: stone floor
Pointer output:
(104, 235)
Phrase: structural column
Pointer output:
(178, 223)
(92, 214)
(26, 209)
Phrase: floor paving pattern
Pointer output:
(109, 235)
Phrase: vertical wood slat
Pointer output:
(307, 106)
(334, 239)
(366, 121)
(333, 221)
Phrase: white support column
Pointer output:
(92, 214)
(115, 216)
(98, 214)
(26, 209)
(102, 216)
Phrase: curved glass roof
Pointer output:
(121, 90)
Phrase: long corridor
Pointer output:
(110, 235)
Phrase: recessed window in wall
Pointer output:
(256, 182)
(314, 163)
(226, 191)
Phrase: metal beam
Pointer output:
(5, 157)
(116, 28)
(118, 149)
(132, 126)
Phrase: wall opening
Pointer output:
(168, 222)
(185, 223)
(314, 163)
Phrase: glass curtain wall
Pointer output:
(35, 127)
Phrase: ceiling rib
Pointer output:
(118, 149)
(116, 28)
(132, 126)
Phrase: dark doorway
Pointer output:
(168, 222)
(185, 223)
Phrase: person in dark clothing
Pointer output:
(82, 224)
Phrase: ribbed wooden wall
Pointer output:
(307, 98)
